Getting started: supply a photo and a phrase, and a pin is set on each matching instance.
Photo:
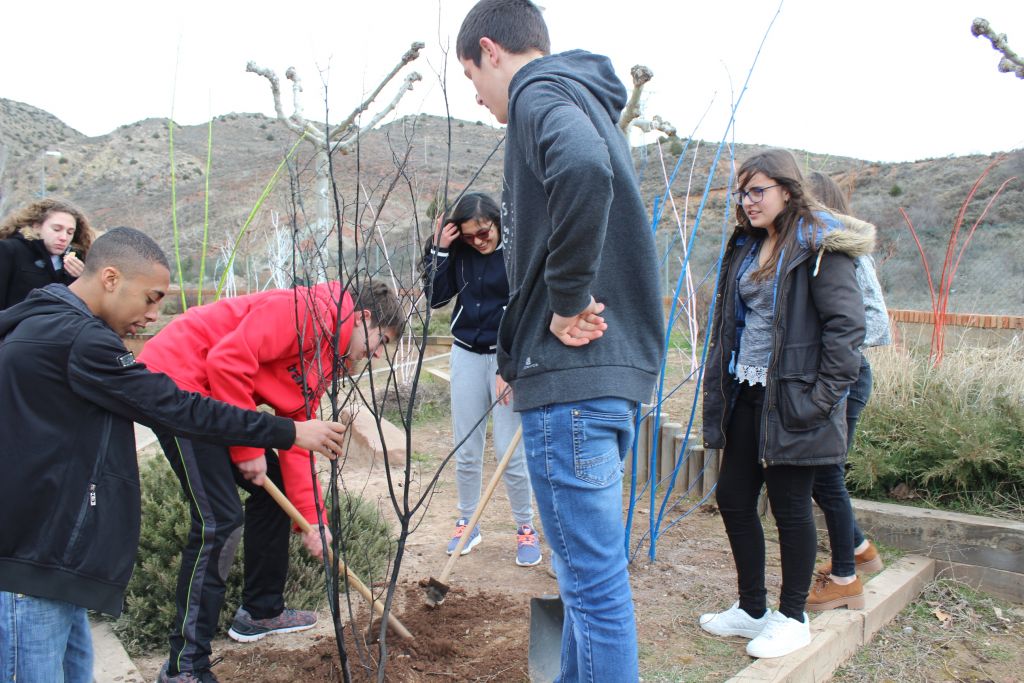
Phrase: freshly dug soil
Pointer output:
(471, 636)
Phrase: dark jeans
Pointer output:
(830, 485)
(209, 481)
(789, 492)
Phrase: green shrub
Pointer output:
(895, 191)
(149, 601)
(953, 432)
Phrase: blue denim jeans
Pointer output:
(43, 641)
(575, 452)
(830, 485)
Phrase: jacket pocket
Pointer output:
(106, 533)
(797, 411)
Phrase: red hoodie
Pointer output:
(245, 351)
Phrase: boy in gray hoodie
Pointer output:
(581, 339)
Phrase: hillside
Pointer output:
(124, 178)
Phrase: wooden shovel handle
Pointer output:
(301, 522)
(493, 484)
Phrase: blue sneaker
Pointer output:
(527, 546)
(460, 528)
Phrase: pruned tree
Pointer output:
(326, 139)
(631, 114)
(1011, 62)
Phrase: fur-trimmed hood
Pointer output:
(28, 233)
(856, 238)
(838, 233)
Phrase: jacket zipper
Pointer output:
(782, 291)
(90, 500)
(721, 326)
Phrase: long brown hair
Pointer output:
(827, 191)
(781, 167)
(38, 211)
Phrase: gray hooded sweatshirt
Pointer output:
(574, 227)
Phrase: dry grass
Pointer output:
(974, 377)
(950, 633)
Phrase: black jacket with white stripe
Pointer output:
(479, 286)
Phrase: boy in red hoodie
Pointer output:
(274, 348)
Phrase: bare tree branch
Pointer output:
(641, 74)
(1011, 62)
(656, 123)
(631, 114)
(411, 54)
(407, 85)
(275, 85)
(297, 122)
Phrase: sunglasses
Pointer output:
(480, 235)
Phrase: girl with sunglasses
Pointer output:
(465, 261)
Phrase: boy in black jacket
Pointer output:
(69, 493)
(581, 339)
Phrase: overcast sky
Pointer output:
(886, 80)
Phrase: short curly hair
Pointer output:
(38, 211)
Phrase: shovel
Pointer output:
(546, 618)
(353, 580)
(437, 589)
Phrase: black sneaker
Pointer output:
(185, 676)
(245, 629)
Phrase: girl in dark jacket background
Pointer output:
(465, 261)
(788, 322)
(37, 247)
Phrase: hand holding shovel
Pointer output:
(301, 522)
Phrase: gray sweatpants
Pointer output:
(473, 391)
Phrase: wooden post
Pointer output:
(643, 445)
(764, 508)
(652, 462)
(695, 463)
(668, 450)
(711, 459)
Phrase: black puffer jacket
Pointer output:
(818, 328)
(69, 492)
(25, 265)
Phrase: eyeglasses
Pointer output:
(754, 194)
(480, 235)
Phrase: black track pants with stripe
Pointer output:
(210, 482)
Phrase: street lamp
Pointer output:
(42, 170)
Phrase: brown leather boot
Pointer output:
(827, 594)
(867, 562)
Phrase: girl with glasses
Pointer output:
(788, 323)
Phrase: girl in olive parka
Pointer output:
(789, 319)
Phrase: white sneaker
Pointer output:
(780, 636)
(734, 622)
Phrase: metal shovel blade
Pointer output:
(546, 618)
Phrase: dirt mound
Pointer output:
(472, 636)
